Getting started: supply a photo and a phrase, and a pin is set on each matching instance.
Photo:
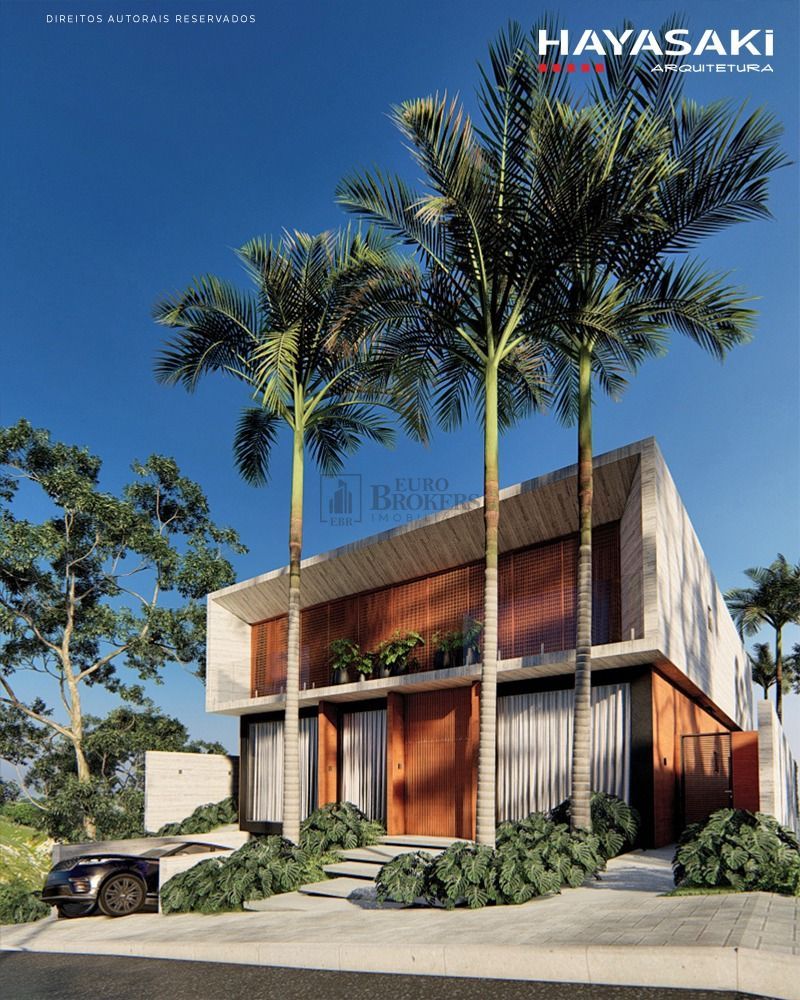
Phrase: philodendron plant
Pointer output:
(394, 654)
(348, 659)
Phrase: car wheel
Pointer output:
(121, 895)
(71, 910)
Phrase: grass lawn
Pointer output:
(699, 890)
(24, 854)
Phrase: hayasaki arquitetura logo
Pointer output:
(346, 499)
(682, 50)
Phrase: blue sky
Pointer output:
(135, 156)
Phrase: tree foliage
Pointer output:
(114, 748)
(100, 583)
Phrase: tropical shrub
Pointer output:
(537, 856)
(338, 825)
(533, 857)
(738, 849)
(403, 879)
(614, 822)
(464, 873)
(18, 905)
(261, 868)
(203, 819)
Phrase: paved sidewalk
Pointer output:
(619, 930)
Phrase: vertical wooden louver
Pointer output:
(537, 594)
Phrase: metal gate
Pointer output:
(707, 775)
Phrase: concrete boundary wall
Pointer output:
(177, 783)
(777, 770)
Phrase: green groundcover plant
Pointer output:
(338, 825)
(266, 866)
(614, 822)
(18, 905)
(744, 850)
(533, 857)
(261, 868)
(204, 819)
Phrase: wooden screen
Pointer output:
(440, 750)
(537, 596)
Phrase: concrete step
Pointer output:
(379, 854)
(338, 888)
(420, 841)
(353, 869)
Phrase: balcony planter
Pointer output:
(394, 655)
(347, 660)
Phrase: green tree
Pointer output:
(619, 302)
(309, 345)
(762, 668)
(114, 748)
(101, 583)
(505, 206)
(774, 600)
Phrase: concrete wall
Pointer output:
(225, 837)
(177, 783)
(697, 634)
(228, 651)
(777, 771)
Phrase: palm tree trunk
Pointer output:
(486, 818)
(291, 723)
(581, 790)
(779, 673)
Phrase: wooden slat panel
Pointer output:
(606, 604)
(314, 671)
(376, 620)
(439, 759)
(537, 595)
(327, 748)
(269, 657)
(395, 764)
(410, 613)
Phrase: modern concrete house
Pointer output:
(672, 706)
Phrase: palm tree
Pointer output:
(504, 208)
(618, 303)
(762, 668)
(308, 347)
(774, 600)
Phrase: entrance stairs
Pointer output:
(354, 874)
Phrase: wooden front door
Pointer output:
(441, 729)
(707, 784)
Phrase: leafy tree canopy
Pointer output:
(100, 583)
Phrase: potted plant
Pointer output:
(393, 655)
(347, 660)
(449, 646)
(472, 641)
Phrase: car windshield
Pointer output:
(184, 848)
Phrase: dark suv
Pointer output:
(116, 884)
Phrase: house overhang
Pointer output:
(532, 511)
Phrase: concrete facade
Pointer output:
(777, 771)
(672, 610)
(177, 783)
